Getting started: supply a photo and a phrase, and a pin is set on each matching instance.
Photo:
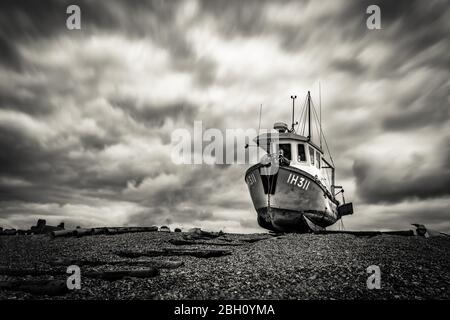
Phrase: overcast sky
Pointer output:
(86, 115)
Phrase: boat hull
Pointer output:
(290, 200)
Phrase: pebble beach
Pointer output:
(248, 266)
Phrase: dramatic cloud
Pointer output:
(392, 177)
(86, 116)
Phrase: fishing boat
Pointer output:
(293, 185)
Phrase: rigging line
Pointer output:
(320, 115)
(304, 121)
(317, 129)
(260, 112)
(326, 144)
(299, 118)
(304, 116)
(314, 110)
(328, 149)
(303, 126)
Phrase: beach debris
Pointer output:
(80, 232)
(199, 253)
(62, 233)
(97, 231)
(422, 230)
(122, 230)
(41, 227)
(181, 242)
(165, 264)
(164, 229)
(39, 287)
(177, 230)
(8, 232)
(197, 233)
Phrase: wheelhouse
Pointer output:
(300, 151)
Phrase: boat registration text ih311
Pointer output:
(293, 186)
(299, 181)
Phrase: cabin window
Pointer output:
(311, 155)
(301, 153)
(286, 148)
(318, 159)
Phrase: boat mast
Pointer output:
(309, 115)
(293, 121)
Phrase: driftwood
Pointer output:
(199, 253)
(121, 230)
(62, 233)
(41, 287)
(406, 233)
(8, 232)
(197, 233)
(179, 242)
(80, 232)
(96, 231)
(153, 263)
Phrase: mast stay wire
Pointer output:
(319, 131)
(260, 112)
(304, 123)
(324, 138)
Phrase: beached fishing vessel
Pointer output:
(293, 186)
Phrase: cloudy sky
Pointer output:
(86, 115)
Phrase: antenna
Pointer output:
(293, 106)
(320, 116)
(309, 115)
(259, 125)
